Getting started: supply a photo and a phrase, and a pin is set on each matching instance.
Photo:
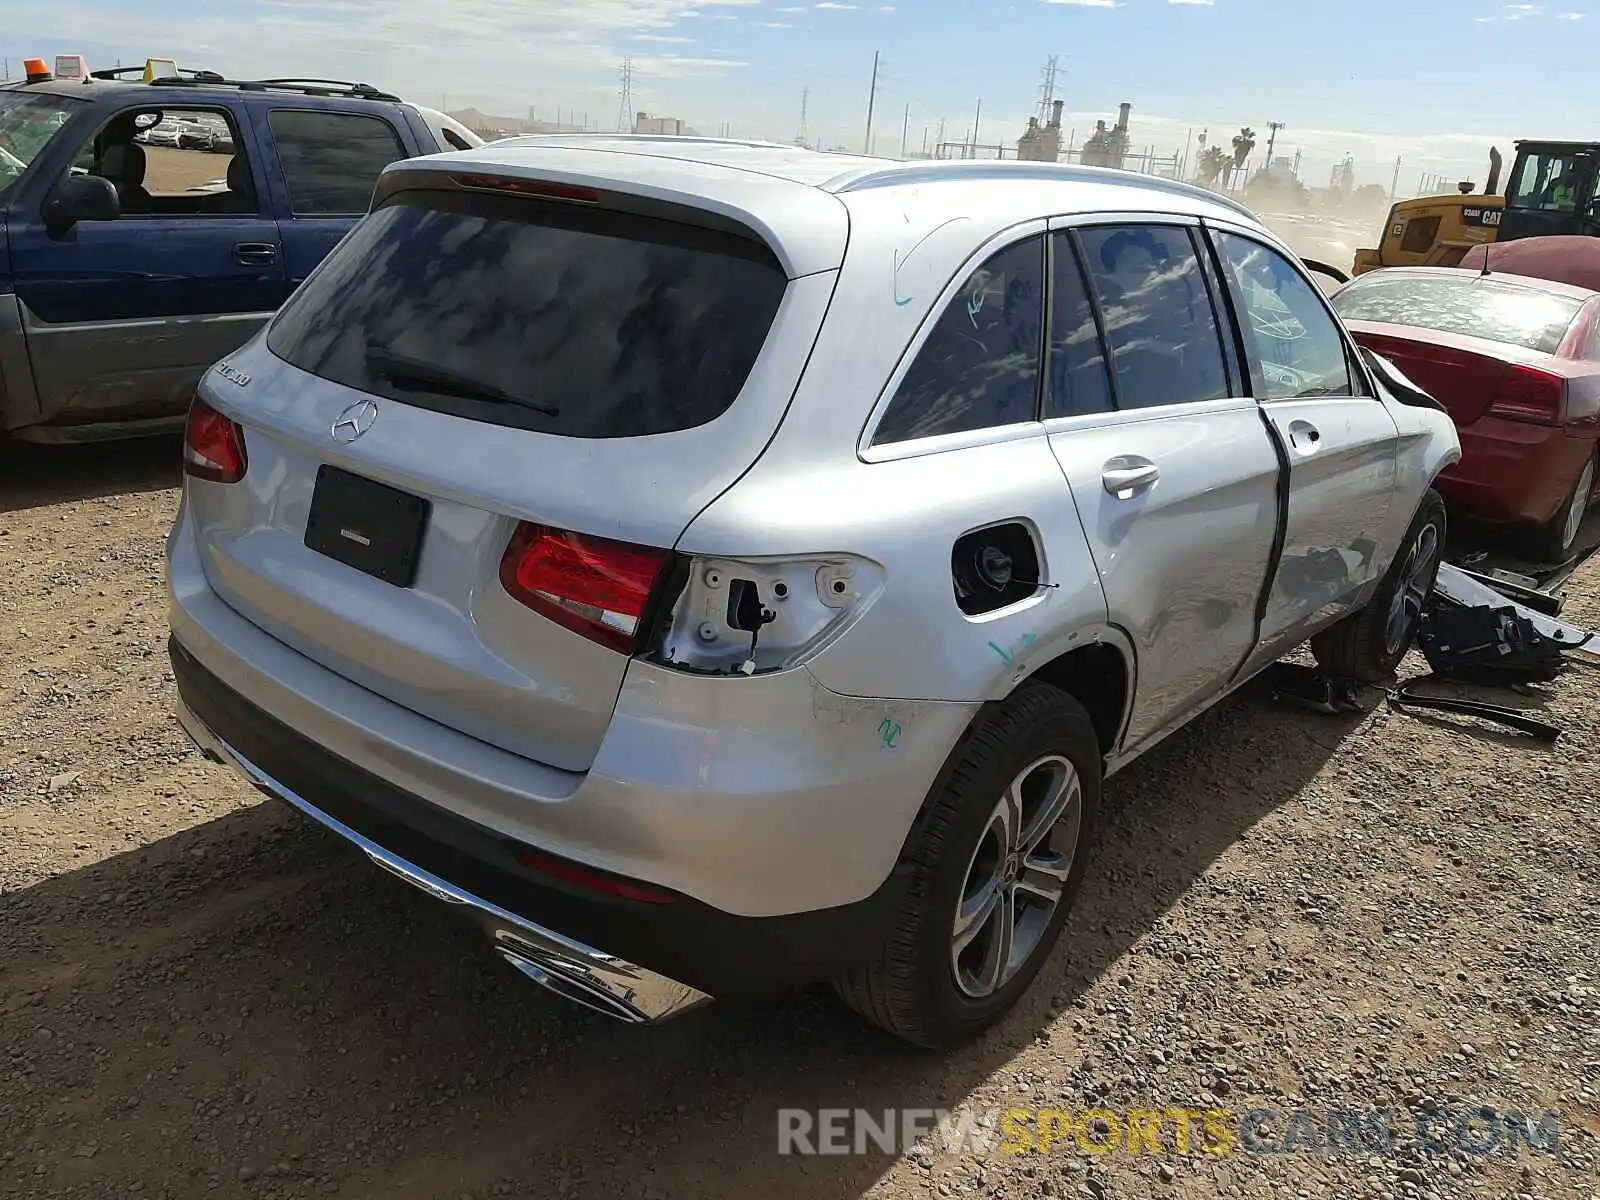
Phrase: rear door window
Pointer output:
(332, 160)
(1159, 320)
(979, 367)
(535, 314)
(1078, 380)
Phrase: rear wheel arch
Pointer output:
(1098, 676)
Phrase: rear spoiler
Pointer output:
(1402, 388)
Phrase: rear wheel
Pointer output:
(996, 861)
(1553, 541)
(1369, 643)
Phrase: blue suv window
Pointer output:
(332, 160)
(979, 367)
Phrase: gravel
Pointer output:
(201, 995)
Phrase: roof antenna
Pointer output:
(1487, 246)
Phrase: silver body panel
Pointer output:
(779, 793)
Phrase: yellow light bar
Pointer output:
(160, 68)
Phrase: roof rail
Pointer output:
(890, 174)
(200, 75)
(304, 87)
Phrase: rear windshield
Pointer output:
(1469, 305)
(540, 315)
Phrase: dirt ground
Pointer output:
(168, 171)
(202, 995)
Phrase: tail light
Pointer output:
(1529, 394)
(213, 446)
(595, 587)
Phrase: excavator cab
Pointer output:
(1551, 190)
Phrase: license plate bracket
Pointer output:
(375, 528)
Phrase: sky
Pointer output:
(1433, 81)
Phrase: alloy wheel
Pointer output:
(1017, 876)
(1579, 507)
(1416, 580)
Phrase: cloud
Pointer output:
(1205, 2)
(831, 6)
(418, 47)
(772, 24)
(1088, 3)
(661, 37)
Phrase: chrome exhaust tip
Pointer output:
(571, 982)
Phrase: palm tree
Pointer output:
(1213, 162)
(1243, 143)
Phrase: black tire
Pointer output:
(1549, 543)
(910, 988)
(1357, 647)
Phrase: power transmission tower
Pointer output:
(805, 103)
(872, 98)
(625, 99)
(1047, 89)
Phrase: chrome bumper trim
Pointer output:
(570, 969)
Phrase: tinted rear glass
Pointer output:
(625, 325)
(1469, 305)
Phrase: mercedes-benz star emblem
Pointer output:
(354, 421)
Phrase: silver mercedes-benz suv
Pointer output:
(719, 566)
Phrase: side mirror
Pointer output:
(80, 198)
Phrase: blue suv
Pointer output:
(132, 259)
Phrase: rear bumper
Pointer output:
(637, 960)
(571, 969)
(1512, 471)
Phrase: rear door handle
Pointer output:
(255, 254)
(1128, 474)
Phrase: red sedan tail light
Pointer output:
(593, 586)
(213, 446)
(1529, 394)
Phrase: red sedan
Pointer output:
(1516, 361)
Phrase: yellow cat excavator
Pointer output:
(1551, 190)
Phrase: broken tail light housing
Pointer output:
(1529, 394)
(213, 445)
(598, 588)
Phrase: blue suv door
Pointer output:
(124, 316)
(329, 160)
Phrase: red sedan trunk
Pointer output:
(1527, 419)
(1469, 375)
